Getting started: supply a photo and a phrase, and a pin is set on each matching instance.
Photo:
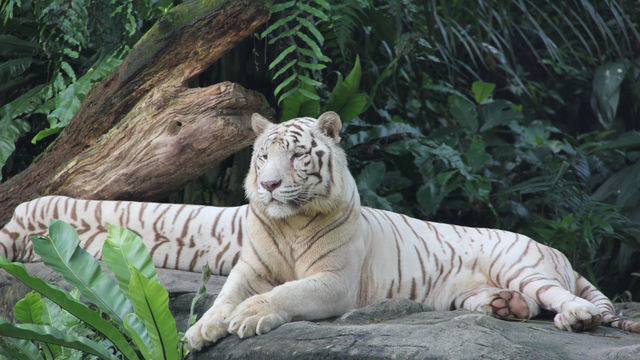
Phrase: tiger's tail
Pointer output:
(587, 291)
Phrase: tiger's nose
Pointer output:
(271, 184)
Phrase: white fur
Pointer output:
(325, 255)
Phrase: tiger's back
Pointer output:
(178, 236)
(437, 264)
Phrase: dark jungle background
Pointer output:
(517, 114)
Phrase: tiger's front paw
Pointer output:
(256, 316)
(579, 317)
(209, 329)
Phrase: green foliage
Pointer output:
(151, 303)
(50, 336)
(52, 52)
(297, 27)
(206, 275)
(133, 320)
(345, 99)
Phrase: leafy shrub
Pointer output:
(127, 319)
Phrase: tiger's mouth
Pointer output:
(291, 203)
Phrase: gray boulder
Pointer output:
(390, 329)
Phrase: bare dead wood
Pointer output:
(142, 131)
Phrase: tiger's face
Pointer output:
(292, 163)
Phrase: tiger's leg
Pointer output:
(587, 291)
(498, 302)
(573, 312)
(243, 282)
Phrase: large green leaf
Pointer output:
(144, 348)
(25, 103)
(151, 302)
(464, 113)
(60, 252)
(123, 249)
(476, 156)
(345, 98)
(18, 349)
(621, 186)
(28, 310)
(51, 335)
(482, 91)
(298, 104)
(73, 306)
(388, 71)
(497, 113)
(629, 139)
(371, 176)
(452, 158)
(606, 91)
(430, 195)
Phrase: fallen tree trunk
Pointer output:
(142, 132)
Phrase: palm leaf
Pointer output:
(73, 306)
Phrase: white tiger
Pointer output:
(310, 251)
(313, 252)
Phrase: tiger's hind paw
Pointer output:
(578, 318)
(509, 304)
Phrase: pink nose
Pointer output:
(271, 184)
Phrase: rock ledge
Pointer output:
(390, 329)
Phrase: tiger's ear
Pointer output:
(329, 123)
(259, 123)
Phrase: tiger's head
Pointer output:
(297, 167)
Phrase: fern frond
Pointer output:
(345, 18)
(296, 32)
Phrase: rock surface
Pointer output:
(391, 329)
